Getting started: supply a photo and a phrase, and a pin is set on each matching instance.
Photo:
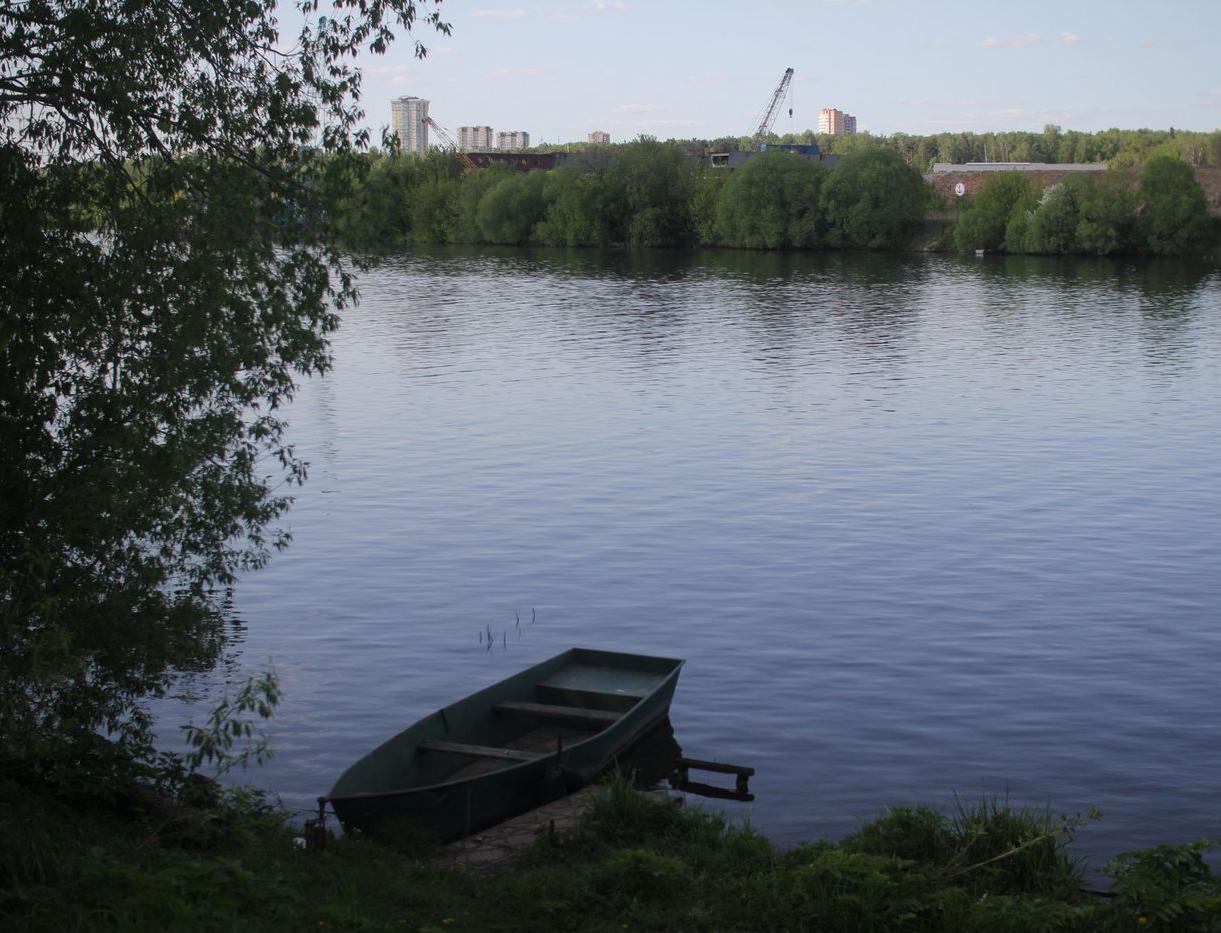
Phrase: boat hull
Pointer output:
(404, 786)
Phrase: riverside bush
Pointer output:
(1106, 216)
(636, 862)
(644, 194)
(1174, 210)
(983, 224)
(1097, 214)
(873, 200)
(1052, 227)
(509, 209)
(652, 194)
(772, 203)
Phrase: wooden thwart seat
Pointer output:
(478, 751)
(574, 714)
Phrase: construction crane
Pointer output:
(467, 162)
(773, 108)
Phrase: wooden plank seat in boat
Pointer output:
(478, 751)
(599, 718)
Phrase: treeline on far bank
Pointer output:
(1119, 148)
(648, 194)
(651, 194)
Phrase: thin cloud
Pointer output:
(397, 76)
(939, 103)
(1174, 44)
(923, 126)
(521, 72)
(568, 13)
(637, 108)
(515, 13)
(1013, 42)
(722, 78)
(647, 125)
(1211, 98)
(389, 71)
(1070, 38)
(669, 124)
(1006, 113)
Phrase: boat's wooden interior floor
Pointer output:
(542, 740)
(593, 677)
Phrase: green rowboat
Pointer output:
(509, 748)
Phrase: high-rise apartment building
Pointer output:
(512, 139)
(475, 138)
(599, 136)
(836, 122)
(407, 116)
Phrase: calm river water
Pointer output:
(920, 526)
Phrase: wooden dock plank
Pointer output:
(720, 767)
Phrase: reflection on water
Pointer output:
(919, 525)
(651, 760)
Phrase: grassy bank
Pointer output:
(636, 864)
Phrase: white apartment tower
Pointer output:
(512, 139)
(475, 138)
(407, 116)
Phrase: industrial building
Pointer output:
(599, 136)
(409, 122)
(808, 151)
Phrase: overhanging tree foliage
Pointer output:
(169, 274)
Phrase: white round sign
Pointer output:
(960, 189)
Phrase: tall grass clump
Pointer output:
(986, 846)
(1004, 849)
(623, 817)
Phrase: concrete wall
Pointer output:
(942, 167)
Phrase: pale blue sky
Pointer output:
(679, 68)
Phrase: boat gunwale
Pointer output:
(443, 785)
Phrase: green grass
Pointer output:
(635, 863)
